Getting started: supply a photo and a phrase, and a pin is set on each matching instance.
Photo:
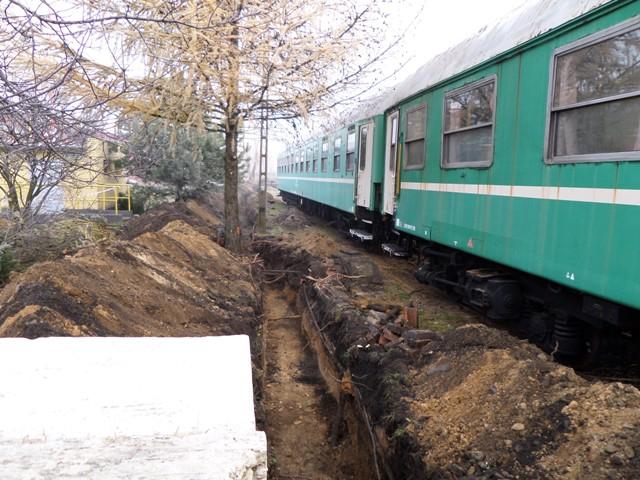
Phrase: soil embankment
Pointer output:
(167, 276)
(447, 398)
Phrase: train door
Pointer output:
(390, 158)
(365, 157)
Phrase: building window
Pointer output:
(469, 115)
(393, 144)
(337, 146)
(351, 150)
(595, 101)
(363, 147)
(414, 139)
(325, 154)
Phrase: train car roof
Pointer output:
(522, 25)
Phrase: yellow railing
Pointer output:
(99, 197)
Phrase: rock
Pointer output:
(610, 448)
(518, 427)
(387, 336)
(508, 443)
(420, 338)
(471, 470)
(617, 459)
(374, 317)
(629, 452)
(395, 329)
(477, 455)
(441, 367)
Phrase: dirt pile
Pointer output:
(469, 402)
(165, 277)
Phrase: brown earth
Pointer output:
(298, 412)
(470, 401)
(166, 277)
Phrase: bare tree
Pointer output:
(214, 65)
(45, 119)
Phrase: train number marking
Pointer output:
(570, 276)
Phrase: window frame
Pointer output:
(337, 154)
(354, 165)
(393, 160)
(362, 159)
(315, 160)
(405, 142)
(470, 86)
(549, 137)
(324, 155)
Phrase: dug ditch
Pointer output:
(404, 403)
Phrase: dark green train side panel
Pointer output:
(592, 247)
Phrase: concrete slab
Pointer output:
(128, 408)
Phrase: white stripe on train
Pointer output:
(611, 196)
(323, 180)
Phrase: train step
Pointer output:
(394, 250)
(361, 235)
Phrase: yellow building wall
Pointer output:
(98, 186)
(93, 188)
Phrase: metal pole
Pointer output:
(262, 176)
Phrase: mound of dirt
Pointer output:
(199, 215)
(166, 277)
(484, 404)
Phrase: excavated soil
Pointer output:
(167, 277)
(444, 397)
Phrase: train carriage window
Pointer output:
(324, 155)
(308, 160)
(351, 150)
(315, 159)
(337, 145)
(469, 115)
(364, 131)
(595, 98)
(414, 138)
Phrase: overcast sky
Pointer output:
(433, 27)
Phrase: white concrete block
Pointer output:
(135, 408)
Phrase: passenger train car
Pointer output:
(512, 162)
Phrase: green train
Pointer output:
(512, 163)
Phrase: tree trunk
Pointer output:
(232, 231)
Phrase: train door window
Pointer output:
(308, 160)
(363, 147)
(337, 146)
(393, 145)
(415, 135)
(324, 155)
(351, 150)
(469, 114)
(595, 98)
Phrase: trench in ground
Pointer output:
(307, 433)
